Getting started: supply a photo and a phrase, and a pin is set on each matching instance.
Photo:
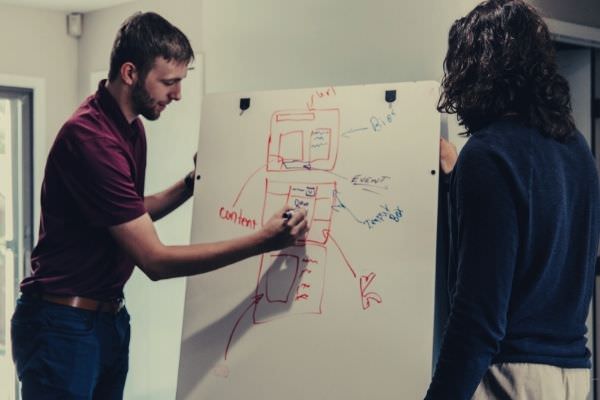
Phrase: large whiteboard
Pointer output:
(348, 314)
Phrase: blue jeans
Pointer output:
(61, 352)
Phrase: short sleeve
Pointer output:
(99, 176)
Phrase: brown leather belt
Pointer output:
(85, 303)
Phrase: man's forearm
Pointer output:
(160, 204)
(139, 239)
(177, 261)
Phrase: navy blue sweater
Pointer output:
(525, 225)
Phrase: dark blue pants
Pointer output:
(62, 352)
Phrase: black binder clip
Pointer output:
(390, 97)
(244, 104)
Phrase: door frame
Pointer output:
(38, 148)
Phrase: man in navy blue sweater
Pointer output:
(524, 216)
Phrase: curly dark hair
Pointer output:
(501, 61)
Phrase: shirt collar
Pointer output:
(112, 109)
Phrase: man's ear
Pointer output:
(129, 73)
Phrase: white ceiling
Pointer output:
(66, 5)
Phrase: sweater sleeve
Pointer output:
(485, 202)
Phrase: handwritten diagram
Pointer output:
(347, 308)
(303, 140)
(292, 281)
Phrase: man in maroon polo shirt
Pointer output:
(70, 333)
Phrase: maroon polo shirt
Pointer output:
(94, 179)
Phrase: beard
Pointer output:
(143, 103)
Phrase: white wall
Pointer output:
(35, 44)
(260, 45)
(36, 51)
(282, 44)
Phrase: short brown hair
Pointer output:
(142, 38)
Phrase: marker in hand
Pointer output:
(288, 214)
